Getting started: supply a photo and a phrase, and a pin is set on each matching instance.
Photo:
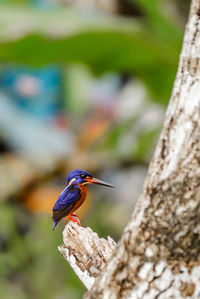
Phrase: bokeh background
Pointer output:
(83, 84)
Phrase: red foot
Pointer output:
(75, 220)
(75, 215)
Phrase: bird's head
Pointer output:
(78, 176)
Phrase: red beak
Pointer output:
(99, 182)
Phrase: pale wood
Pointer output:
(85, 251)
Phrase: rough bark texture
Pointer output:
(159, 253)
(85, 252)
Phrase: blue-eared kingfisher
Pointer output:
(74, 194)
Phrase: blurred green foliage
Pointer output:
(30, 262)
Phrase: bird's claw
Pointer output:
(75, 215)
(75, 220)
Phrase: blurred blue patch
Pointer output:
(36, 91)
(46, 4)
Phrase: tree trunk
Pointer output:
(159, 253)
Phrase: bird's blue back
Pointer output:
(67, 196)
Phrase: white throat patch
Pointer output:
(71, 181)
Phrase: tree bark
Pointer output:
(158, 255)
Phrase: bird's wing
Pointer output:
(65, 202)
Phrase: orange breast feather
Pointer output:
(81, 199)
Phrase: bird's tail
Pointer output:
(54, 224)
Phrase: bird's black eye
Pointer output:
(82, 175)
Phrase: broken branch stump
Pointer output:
(85, 251)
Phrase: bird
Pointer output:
(73, 196)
